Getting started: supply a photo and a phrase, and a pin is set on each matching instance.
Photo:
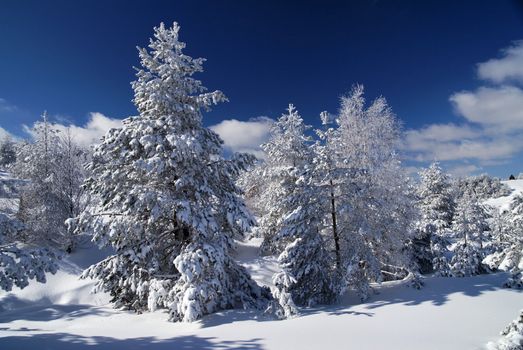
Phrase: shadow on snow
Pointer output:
(437, 291)
(13, 309)
(65, 341)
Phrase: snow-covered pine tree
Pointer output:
(501, 241)
(167, 202)
(7, 152)
(468, 227)
(306, 276)
(513, 252)
(436, 205)
(286, 150)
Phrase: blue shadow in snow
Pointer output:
(65, 341)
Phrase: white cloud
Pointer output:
(464, 170)
(492, 130)
(422, 146)
(91, 132)
(496, 108)
(244, 136)
(416, 139)
(5, 106)
(506, 69)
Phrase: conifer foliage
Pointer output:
(167, 202)
(7, 152)
(306, 276)
(20, 263)
(436, 205)
(513, 251)
(469, 227)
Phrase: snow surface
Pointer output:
(448, 313)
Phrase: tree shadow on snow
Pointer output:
(13, 309)
(334, 310)
(65, 341)
(437, 290)
(233, 315)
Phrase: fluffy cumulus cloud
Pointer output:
(508, 68)
(464, 170)
(244, 136)
(491, 131)
(495, 108)
(90, 133)
(459, 143)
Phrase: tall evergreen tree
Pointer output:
(436, 205)
(469, 226)
(306, 276)
(167, 202)
(286, 150)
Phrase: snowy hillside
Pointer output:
(449, 313)
(503, 202)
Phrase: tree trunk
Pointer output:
(335, 226)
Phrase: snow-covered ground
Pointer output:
(448, 313)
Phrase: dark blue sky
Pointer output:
(75, 57)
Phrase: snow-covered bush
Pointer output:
(512, 336)
(165, 199)
(20, 263)
(482, 187)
